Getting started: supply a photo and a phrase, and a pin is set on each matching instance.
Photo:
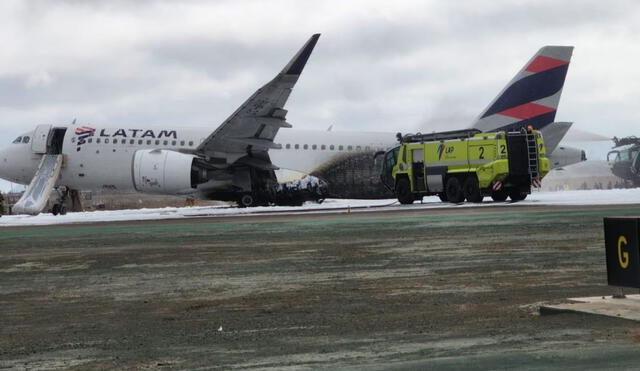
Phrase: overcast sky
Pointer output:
(379, 65)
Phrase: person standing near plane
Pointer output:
(1, 204)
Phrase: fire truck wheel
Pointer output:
(471, 189)
(454, 190)
(403, 191)
(499, 195)
(516, 195)
(246, 200)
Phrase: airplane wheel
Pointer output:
(516, 195)
(443, 197)
(471, 189)
(403, 191)
(55, 210)
(63, 210)
(454, 190)
(499, 195)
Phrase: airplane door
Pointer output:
(40, 136)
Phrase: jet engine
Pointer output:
(166, 172)
(565, 156)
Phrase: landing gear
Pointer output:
(59, 208)
(443, 197)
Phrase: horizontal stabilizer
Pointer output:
(35, 197)
(553, 134)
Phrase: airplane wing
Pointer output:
(247, 135)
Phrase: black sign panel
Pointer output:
(623, 251)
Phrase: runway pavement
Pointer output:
(404, 288)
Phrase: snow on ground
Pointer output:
(588, 197)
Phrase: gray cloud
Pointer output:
(410, 66)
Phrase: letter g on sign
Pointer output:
(623, 256)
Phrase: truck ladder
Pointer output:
(532, 154)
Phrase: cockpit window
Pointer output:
(25, 139)
(18, 140)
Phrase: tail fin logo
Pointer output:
(532, 96)
(440, 151)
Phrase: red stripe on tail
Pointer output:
(542, 63)
(526, 111)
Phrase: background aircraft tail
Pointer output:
(532, 96)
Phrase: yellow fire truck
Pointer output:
(465, 164)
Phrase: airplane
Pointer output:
(240, 160)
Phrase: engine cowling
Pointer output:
(565, 156)
(161, 171)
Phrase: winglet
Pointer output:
(297, 63)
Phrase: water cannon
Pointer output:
(626, 141)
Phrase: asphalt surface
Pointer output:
(396, 289)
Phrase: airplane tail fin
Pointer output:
(553, 134)
(532, 96)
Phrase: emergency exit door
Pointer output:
(40, 137)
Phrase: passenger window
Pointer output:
(90, 140)
(97, 140)
(305, 146)
(288, 146)
(331, 147)
(323, 147)
(25, 139)
(173, 142)
(297, 146)
(139, 141)
(190, 143)
(157, 142)
(166, 142)
(358, 148)
(115, 141)
(132, 141)
(182, 143)
(340, 148)
(349, 148)
(18, 140)
(314, 147)
(106, 141)
(73, 140)
(149, 142)
(367, 148)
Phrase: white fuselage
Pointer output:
(103, 161)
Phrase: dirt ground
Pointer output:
(402, 289)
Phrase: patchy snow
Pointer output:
(588, 197)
